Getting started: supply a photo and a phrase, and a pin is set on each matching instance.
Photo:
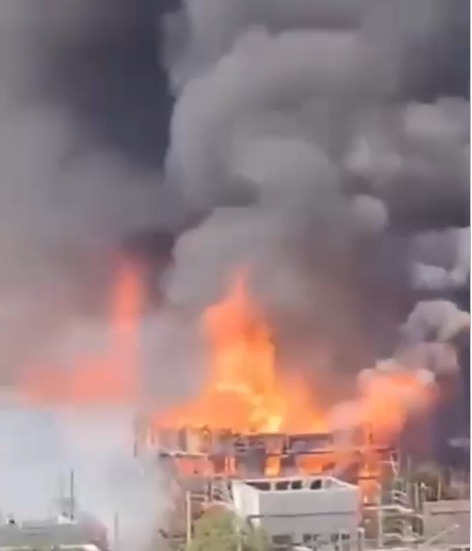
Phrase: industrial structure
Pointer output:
(53, 533)
(301, 510)
(314, 491)
(190, 451)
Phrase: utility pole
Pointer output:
(188, 518)
(72, 494)
(239, 535)
(116, 531)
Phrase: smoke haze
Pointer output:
(68, 196)
(41, 447)
(304, 131)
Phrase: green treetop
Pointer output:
(221, 530)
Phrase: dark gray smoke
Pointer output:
(69, 192)
(441, 259)
(436, 320)
(316, 136)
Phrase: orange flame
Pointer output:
(245, 392)
(107, 378)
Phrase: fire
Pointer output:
(243, 390)
(109, 377)
(389, 399)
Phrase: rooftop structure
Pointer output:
(305, 511)
(53, 533)
(86, 547)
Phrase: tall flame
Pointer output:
(244, 390)
(109, 377)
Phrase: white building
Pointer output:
(53, 533)
(316, 512)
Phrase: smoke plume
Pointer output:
(67, 198)
(316, 137)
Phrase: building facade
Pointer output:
(53, 533)
(316, 512)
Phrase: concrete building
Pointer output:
(87, 547)
(53, 533)
(314, 511)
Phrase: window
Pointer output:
(264, 486)
(315, 485)
(297, 485)
(282, 539)
(307, 538)
(282, 485)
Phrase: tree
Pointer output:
(221, 530)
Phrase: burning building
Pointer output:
(250, 416)
(294, 511)
(190, 451)
(250, 419)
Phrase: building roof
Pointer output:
(87, 547)
(49, 533)
(296, 484)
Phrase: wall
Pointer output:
(323, 512)
(440, 515)
(43, 536)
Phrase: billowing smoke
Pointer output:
(436, 320)
(441, 260)
(67, 197)
(316, 137)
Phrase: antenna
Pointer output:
(72, 494)
(62, 493)
(62, 499)
(116, 530)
